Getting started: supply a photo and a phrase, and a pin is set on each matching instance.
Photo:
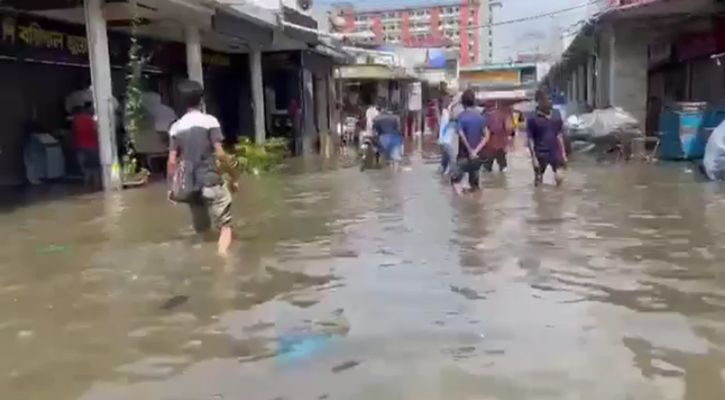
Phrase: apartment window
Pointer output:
(427, 12)
(456, 10)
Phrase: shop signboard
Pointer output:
(503, 76)
(44, 40)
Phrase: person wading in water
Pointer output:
(474, 135)
(196, 148)
(545, 140)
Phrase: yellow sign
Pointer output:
(216, 60)
(499, 76)
(77, 44)
(34, 35)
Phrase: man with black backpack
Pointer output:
(196, 156)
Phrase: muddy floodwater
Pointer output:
(350, 285)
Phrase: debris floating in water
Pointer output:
(25, 334)
(345, 366)
(175, 302)
(53, 249)
(299, 346)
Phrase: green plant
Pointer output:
(255, 158)
(134, 112)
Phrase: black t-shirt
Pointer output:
(194, 137)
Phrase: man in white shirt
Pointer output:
(370, 114)
(196, 144)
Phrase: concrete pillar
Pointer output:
(308, 115)
(100, 64)
(194, 67)
(582, 83)
(257, 80)
(591, 75)
(630, 71)
(605, 48)
(334, 113)
(323, 122)
(571, 87)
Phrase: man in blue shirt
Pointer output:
(387, 126)
(546, 142)
(473, 135)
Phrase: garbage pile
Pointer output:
(603, 131)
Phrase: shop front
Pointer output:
(365, 84)
(297, 93)
(44, 69)
(686, 91)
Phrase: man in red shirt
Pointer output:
(85, 141)
(500, 124)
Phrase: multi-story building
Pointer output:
(463, 24)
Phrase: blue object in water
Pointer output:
(299, 346)
(682, 135)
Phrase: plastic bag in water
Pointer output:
(714, 160)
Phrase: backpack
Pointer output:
(183, 183)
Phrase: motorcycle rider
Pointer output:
(387, 126)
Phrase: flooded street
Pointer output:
(350, 285)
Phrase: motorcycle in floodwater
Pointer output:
(369, 153)
(349, 131)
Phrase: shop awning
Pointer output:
(300, 26)
(249, 26)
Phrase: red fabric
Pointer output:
(293, 109)
(496, 123)
(85, 134)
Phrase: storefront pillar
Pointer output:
(582, 83)
(591, 76)
(194, 68)
(255, 67)
(100, 64)
(333, 137)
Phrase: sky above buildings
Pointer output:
(535, 35)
